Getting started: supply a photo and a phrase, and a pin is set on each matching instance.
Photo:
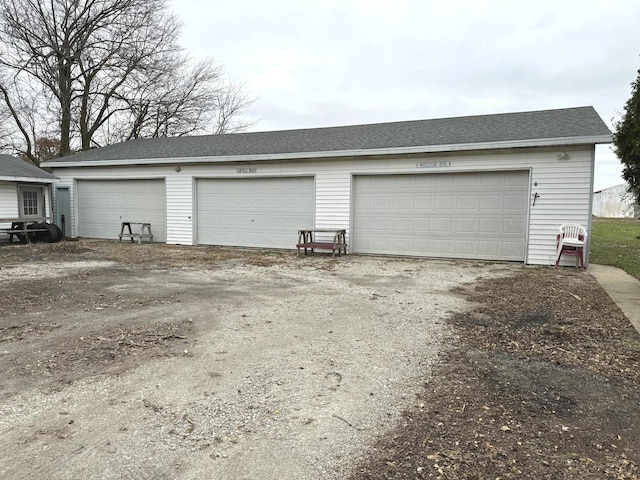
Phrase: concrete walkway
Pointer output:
(623, 289)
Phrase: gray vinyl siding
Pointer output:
(333, 199)
(8, 205)
(180, 208)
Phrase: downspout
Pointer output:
(589, 220)
(50, 195)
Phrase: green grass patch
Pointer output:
(616, 242)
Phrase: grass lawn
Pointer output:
(616, 242)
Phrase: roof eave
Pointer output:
(14, 179)
(550, 142)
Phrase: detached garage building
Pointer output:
(493, 187)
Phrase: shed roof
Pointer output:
(621, 187)
(580, 125)
(15, 170)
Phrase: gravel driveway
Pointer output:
(263, 365)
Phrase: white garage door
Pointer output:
(254, 212)
(462, 215)
(104, 204)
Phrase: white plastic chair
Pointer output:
(571, 241)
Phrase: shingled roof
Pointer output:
(581, 125)
(14, 169)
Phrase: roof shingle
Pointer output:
(507, 127)
(11, 167)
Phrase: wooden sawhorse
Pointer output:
(140, 236)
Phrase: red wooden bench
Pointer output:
(306, 241)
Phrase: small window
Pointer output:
(31, 202)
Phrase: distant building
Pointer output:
(615, 202)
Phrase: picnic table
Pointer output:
(307, 241)
(23, 228)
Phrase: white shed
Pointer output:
(25, 192)
(615, 202)
(492, 187)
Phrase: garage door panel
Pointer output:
(514, 203)
(277, 202)
(420, 245)
(421, 224)
(383, 224)
(465, 215)
(104, 204)
(368, 244)
(514, 226)
(292, 222)
(467, 202)
(516, 181)
(468, 181)
(442, 247)
(383, 203)
(444, 202)
(490, 202)
(403, 202)
(491, 226)
(364, 203)
(257, 212)
(442, 181)
(399, 183)
(422, 202)
(363, 223)
(402, 224)
(489, 247)
(466, 225)
(465, 247)
(443, 225)
(241, 204)
(513, 248)
(379, 243)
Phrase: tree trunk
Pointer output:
(64, 96)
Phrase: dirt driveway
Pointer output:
(160, 362)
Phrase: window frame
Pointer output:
(25, 211)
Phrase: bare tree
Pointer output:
(230, 103)
(26, 117)
(5, 130)
(93, 72)
(172, 104)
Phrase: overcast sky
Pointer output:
(342, 62)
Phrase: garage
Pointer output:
(480, 215)
(489, 187)
(253, 212)
(104, 204)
